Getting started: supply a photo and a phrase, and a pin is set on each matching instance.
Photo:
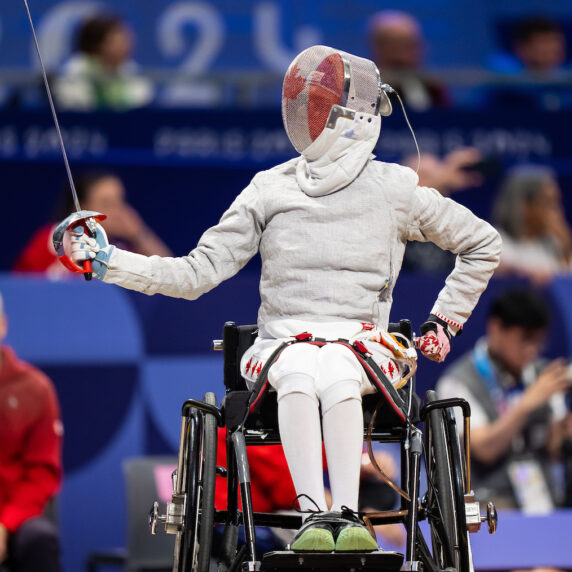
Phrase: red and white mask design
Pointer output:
(322, 84)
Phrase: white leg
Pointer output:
(343, 438)
(299, 423)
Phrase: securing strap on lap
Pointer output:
(372, 370)
(374, 374)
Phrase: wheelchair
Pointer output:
(390, 416)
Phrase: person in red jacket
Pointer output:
(30, 463)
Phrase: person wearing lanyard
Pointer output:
(518, 411)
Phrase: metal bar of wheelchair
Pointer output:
(466, 408)
(294, 521)
(412, 516)
(255, 437)
(239, 443)
(204, 407)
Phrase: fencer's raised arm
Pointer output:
(221, 252)
(453, 227)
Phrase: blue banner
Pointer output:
(256, 139)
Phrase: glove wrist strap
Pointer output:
(431, 325)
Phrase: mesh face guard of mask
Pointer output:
(323, 84)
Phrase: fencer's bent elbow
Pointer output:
(487, 248)
(492, 246)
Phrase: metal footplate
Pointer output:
(380, 561)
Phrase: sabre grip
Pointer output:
(87, 269)
(82, 222)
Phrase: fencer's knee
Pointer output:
(297, 358)
(295, 370)
(336, 363)
(337, 392)
(339, 376)
(295, 383)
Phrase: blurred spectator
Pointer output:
(537, 64)
(539, 46)
(30, 463)
(397, 47)
(101, 192)
(101, 75)
(528, 212)
(519, 418)
(454, 172)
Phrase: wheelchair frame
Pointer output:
(449, 505)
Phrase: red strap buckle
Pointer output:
(303, 337)
(360, 347)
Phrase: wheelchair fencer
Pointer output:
(331, 227)
(390, 415)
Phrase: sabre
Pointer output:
(86, 219)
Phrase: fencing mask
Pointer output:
(323, 84)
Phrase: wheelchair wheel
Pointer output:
(196, 537)
(445, 493)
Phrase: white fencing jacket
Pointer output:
(326, 258)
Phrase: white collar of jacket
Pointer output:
(338, 155)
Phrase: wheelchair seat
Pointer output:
(394, 408)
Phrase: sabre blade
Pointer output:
(53, 109)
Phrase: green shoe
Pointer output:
(352, 535)
(355, 538)
(313, 540)
(316, 535)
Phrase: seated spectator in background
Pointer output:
(528, 212)
(537, 63)
(101, 192)
(30, 463)
(396, 44)
(101, 75)
(519, 419)
(539, 45)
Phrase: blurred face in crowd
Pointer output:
(515, 346)
(543, 211)
(117, 46)
(107, 196)
(543, 51)
(397, 44)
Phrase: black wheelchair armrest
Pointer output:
(402, 327)
(235, 341)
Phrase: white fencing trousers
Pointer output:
(304, 376)
(329, 374)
